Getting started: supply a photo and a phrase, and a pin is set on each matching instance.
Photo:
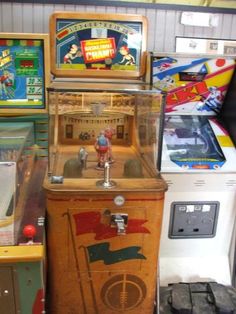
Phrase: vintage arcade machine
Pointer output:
(199, 165)
(104, 194)
(24, 72)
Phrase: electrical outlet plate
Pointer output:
(193, 219)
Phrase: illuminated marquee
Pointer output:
(98, 45)
(22, 73)
(98, 49)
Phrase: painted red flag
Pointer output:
(90, 222)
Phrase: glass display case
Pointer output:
(96, 125)
(104, 196)
(16, 163)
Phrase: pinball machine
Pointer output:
(104, 193)
(24, 76)
(199, 164)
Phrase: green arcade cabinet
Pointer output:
(23, 159)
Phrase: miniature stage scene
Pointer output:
(99, 145)
(119, 129)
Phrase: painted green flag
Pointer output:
(101, 251)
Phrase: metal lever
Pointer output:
(107, 182)
(120, 222)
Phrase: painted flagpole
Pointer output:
(67, 214)
(90, 278)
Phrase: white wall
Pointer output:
(163, 25)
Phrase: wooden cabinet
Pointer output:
(104, 221)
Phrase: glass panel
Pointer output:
(7, 190)
(16, 162)
(190, 142)
(22, 73)
(115, 125)
(15, 140)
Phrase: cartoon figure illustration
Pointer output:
(213, 101)
(127, 59)
(6, 82)
(109, 132)
(73, 53)
(101, 146)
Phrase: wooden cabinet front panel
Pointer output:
(92, 269)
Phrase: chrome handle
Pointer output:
(120, 222)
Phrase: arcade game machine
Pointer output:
(199, 165)
(24, 76)
(104, 194)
